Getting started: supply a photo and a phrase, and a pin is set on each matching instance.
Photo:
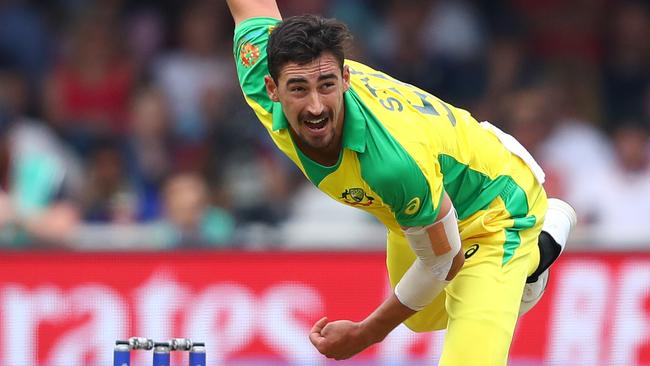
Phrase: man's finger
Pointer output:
(318, 326)
(316, 339)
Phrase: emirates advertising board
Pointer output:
(66, 309)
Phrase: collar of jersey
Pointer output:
(354, 126)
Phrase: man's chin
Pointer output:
(319, 140)
(318, 143)
(322, 143)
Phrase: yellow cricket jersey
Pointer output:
(402, 147)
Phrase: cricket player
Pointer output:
(463, 202)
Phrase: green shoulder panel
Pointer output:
(249, 50)
(395, 176)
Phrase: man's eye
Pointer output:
(328, 85)
(297, 89)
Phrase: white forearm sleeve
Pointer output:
(426, 277)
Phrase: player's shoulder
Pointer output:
(357, 67)
(360, 73)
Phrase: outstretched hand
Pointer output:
(340, 339)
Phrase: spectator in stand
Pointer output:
(149, 149)
(259, 184)
(87, 93)
(362, 16)
(454, 36)
(25, 42)
(564, 32)
(508, 69)
(575, 147)
(619, 206)
(527, 114)
(39, 176)
(399, 46)
(197, 75)
(109, 195)
(189, 219)
(245, 173)
(626, 72)
(207, 115)
(439, 46)
(145, 34)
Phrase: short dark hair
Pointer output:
(303, 38)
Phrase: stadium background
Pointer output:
(141, 197)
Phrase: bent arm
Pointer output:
(439, 258)
(244, 9)
(420, 285)
(444, 236)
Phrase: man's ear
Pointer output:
(271, 88)
(346, 78)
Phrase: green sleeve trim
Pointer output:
(249, 50)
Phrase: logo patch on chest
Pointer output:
(356, 197)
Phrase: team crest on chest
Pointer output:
(356, 197)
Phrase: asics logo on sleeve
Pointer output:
(413, 206)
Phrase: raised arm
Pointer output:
(244, 9)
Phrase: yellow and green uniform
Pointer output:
(402, 148)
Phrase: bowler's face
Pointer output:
(311, 95)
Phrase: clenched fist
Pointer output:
(340, 339)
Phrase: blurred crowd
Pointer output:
(122, 125)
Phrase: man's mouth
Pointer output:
(316, 123)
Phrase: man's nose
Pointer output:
(315, 106)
